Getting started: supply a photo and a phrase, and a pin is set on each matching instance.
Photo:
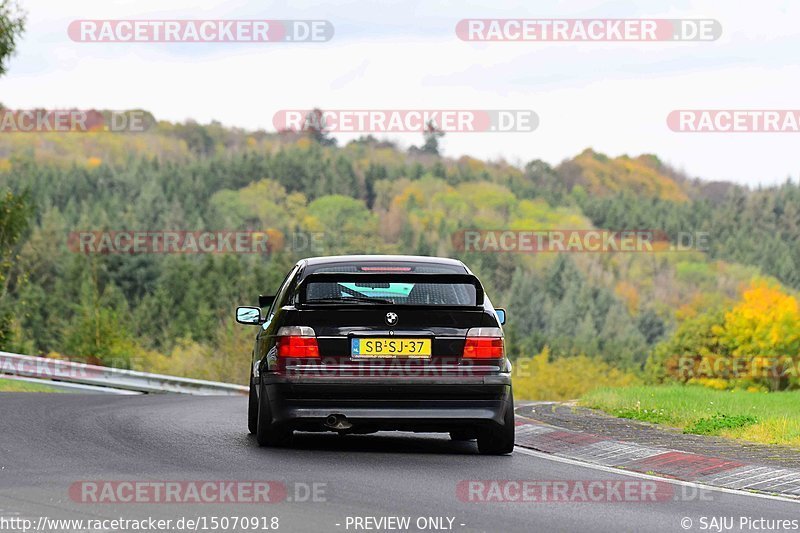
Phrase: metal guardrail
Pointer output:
(56, 370)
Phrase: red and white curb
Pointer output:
(692, 467)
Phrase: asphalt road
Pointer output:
(50, 442)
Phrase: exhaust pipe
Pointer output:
(338, 422)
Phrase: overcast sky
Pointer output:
(613, 97)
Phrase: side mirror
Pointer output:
(264, 301)
(501, 315)
(248, 315)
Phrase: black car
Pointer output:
(358, 344)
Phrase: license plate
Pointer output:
(391, 347)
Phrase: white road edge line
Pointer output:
(623, 472)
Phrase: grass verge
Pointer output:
(13, 385)
(768, 418)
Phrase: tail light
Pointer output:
(484, 343)
(297, 341)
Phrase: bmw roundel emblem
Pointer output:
(391, 319)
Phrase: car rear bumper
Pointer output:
(380, 404)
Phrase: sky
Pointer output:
(611, 96)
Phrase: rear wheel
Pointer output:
(252, 411)
(267, 432)
(499, 440)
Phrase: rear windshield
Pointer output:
(458, 294)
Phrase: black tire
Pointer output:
(252, 411)
(267, 433)
(462, 435)
(499, 440)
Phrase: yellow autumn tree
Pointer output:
(764, 331)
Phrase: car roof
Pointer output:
(334, 259)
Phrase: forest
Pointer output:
(672, 314)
